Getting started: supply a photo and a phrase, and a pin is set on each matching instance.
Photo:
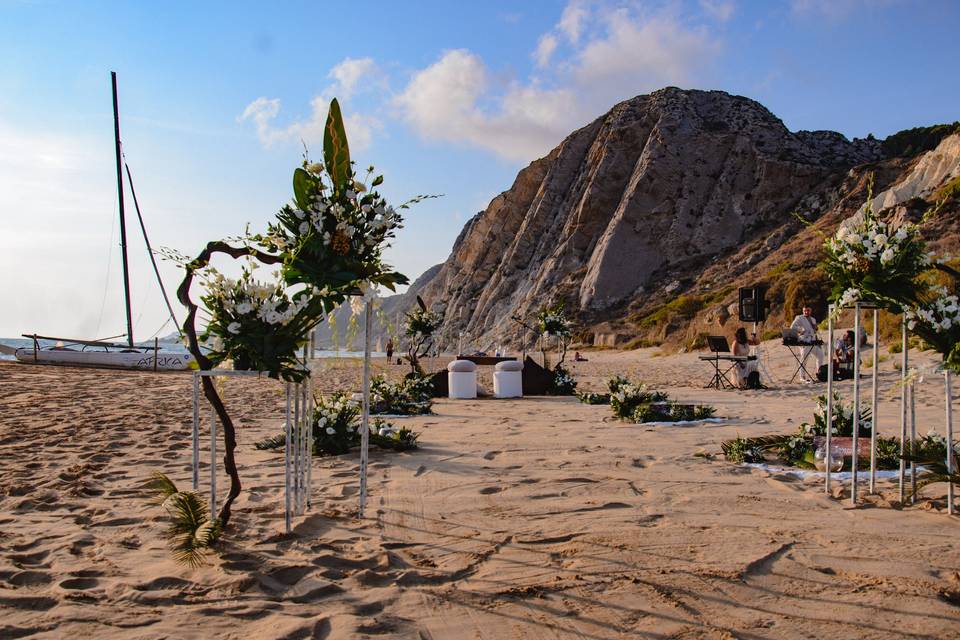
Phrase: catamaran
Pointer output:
(102, 353)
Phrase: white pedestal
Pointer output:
(463, 384)
(508, 384)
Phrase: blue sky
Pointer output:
(450, 98)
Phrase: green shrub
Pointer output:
(911, 142)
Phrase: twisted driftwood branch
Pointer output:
(205, 364)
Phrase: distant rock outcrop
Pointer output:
(657, 189)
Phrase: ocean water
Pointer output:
(176, 347)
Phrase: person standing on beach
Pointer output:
(806, 327)
(390, 349)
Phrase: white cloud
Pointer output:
(572, 20)
(545, 48)
(719, 10)
(262, 112)
(347, 77)
(348, 74)
(641, 54)
(441, 102)
(619, 54)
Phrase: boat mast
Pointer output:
(123, 226)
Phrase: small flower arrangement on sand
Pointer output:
(628, 397)
(842, 419)
(411, 396)
(337, 430)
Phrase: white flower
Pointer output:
(304, 228)
(886, 256)
(244, 307)
(330, 430)
(299, 213)
(234, 327)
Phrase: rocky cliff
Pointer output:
(647, 220)
(662, 184)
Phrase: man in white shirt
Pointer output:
(806, 327)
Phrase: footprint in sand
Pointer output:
(79, 584)
(490, 455)
(489, 490)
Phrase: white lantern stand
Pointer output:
(298, 454)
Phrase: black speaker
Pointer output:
(753, 304)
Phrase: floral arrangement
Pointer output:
(740, 450)
(842, 419)
(873, 261)
(411, 396)
(672, 412)
(628, 397)
(552, 321)
(256, 324)
(937, 322)
(334, 233)
(421, 325)
(563, 383)
(336, 425)
(329, 243)
(336, 430)
(589, 397)
(617, 381)
(386, 436)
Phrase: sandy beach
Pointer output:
(531, 518)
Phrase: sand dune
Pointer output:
(532, 518)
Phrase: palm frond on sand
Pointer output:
(192, 531)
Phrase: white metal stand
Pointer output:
(828, 457)
(298, 449)
(873, 406)
(854, 463)
(904, 361)
(947, 380)
(855, 454)
(365, 416)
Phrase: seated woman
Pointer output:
(741, 347)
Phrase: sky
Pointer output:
(218, 101)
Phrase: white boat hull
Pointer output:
(142, 360)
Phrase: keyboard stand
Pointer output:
(719, 380)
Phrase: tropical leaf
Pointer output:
(191, 531)
(336, 151)
(301, 192)
(271, 443)
(163, 486)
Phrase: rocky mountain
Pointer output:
(646, 220)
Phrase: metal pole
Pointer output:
(365, 420)
(196, 431)
(123, 223)
(829, 453)
(303, 446)
(156, 352)
(903, 413)
(856, 404)
(913, 440)
(873, 406)
(213, 461)
(286, 462)
(947, 380)
(297, 437)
